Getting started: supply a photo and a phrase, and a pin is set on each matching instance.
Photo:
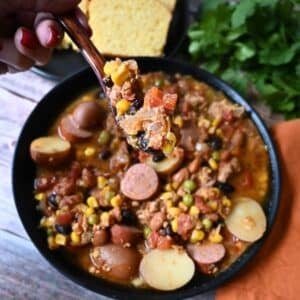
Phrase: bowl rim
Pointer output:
(117, 291)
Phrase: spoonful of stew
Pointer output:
(144, 117)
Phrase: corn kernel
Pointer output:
(194, 211)
(40, 196)
(174, 225)
(169, 144)
(219, 132)
(168, 203)
(89, 211)
(175, 185)
(213, 204)
(202, 122)
(89, 151)
(47, 222)
(110, 67)
(101, 182)
(51, 242)
(92, 202)
(168, 187)
(226, 202)
(116, 201)
(166, 196)
(197, 236)
(216, 155)
(146, 231)
(215, 237)
(182, 206)
(216, 122)
(178, 121)
(122, 107)
(120, 75)
(174, 211)
(138, 282)
(60, 239)
(104, 219)
(75, 238)
(207, 223)
(213, 164)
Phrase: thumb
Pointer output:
(53, 6)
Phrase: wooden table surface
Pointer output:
(24, 273)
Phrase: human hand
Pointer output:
(29, 32)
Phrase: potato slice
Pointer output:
(247, 220)
(167, 270)
(169, 164)
(49, 150)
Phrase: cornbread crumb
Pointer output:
(169, 4)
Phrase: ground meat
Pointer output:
(200, 203)
(185, 225)
(70, 201)
(75, 170)
(127, 91)
(157, 221)
(180, 176)
(206, 177)
(88, 178)
(226, 169)
(225, 110)
(66, 186)
(121, 159)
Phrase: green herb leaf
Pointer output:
(243, 10)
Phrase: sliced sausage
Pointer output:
(121, 235)
(87, 114)
(140, 182)
(68, 130)
(116, 261)
(207, 253)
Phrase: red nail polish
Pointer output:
(28, 39)
(54, 37)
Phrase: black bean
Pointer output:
(142, 141)
(63, 229)
(104, 154)
(128, 217)
(158, 156)
(225, 187)
(215, 142)
(132, 110)
(108, 82)
(137, 104)
(52, 200)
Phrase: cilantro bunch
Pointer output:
(253, 45)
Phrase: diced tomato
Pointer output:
(199, 202)
(228, 116)
(247, 180)
(142, 156)
(153, 97)
(170, 101)
(63, 218)
(153, 239)
(185, 225)
(164, 242)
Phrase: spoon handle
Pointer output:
(84, 44)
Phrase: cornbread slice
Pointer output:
(66, 42)
(129, 28)
(169, 4)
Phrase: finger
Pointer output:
(48, 31)
(54, 6)
(33, 50)
(11, 56)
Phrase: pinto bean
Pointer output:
(121, 235)
(100, 237)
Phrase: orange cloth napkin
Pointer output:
(275, 271)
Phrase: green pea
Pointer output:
(49, 231)
(93, 219)
(147, 231)
(104, 137)
(189, 185)
(207, 223)
(108, 195)
(188, 200)
(159, 82)
(216, 155)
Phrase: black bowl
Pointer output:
(24, 172)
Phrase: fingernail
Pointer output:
(28, 39)
(54, 36)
